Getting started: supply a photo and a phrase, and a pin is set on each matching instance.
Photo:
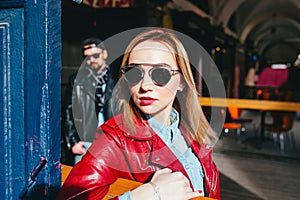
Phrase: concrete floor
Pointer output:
(249, 172)
(245, 178)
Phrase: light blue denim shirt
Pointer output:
(173, 138)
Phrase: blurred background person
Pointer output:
(87, 97)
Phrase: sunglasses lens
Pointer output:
(133, 75)
(95, 56)
(161, 76)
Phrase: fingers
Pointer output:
(166, 175)
(188, 189)
(160, 172)
(191, 195)
(173, 185)
(164, 171)
(180, 176)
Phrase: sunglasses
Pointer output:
(159, 73)
(95, 56)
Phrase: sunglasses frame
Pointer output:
(153, 67)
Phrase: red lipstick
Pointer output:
(145, 101)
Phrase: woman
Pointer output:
(161, 137)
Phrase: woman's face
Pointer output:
(149, 97)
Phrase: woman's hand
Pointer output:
(169, 185)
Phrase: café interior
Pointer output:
(254, 47)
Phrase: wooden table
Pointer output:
(123, 185)
(253, 104)
(119, 187)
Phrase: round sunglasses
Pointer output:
(159, 73)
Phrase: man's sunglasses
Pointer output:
(159, 73)
(95, 56)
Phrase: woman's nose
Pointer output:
(146, 82)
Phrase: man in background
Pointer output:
(88, 93)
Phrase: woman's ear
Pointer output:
(181, 85)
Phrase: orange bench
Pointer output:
(119, 187)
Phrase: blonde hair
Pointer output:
(192, 118)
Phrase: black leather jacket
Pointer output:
(80, 113)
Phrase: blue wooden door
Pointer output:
(30, 62)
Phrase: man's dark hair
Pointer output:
(99, 43)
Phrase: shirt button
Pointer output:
(187, 167)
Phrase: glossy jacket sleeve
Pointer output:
(71, 133)
(103, 164)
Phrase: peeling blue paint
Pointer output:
(30, 119)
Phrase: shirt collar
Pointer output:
(163, 130)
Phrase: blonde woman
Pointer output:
(161, 137)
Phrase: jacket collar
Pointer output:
(146, 133)
(142, 132)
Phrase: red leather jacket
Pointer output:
(117, 153)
